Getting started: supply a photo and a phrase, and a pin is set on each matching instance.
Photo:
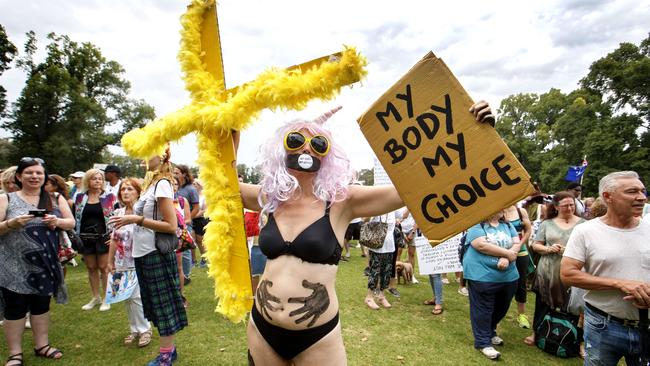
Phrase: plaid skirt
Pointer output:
(160, 291)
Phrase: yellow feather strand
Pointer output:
(212, 114)
(272, 89)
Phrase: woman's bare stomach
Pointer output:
(296, 295)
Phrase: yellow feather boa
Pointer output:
(213, 114)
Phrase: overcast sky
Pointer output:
(495, 48)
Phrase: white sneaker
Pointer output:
(497, 341)
(94, 302)
(74, 262)
(445, 280)
(463, 291)
(105, 307)
(490, 353)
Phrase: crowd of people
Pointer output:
(585, 259)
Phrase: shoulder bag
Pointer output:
(165, 242)
(373, 234)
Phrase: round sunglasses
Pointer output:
(295, 140)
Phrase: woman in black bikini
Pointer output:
(306, 194)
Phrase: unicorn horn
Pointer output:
(325, 116)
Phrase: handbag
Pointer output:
(185, 240)
(373, 234)
(165, 242)
(75, 241)
(559, 335)
(66, 248)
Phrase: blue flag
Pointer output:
(575, 172)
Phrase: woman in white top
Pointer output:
(157, 272)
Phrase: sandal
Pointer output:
(430, 301)
(48, 351)
(437, 311)
(371, 303)
(17, 357)
(128, 340)
(384, 302)
(145, 339)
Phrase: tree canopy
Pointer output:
(606, 120)
(74, 104)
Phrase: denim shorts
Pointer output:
(258, 261)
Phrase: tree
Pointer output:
(251, 175)
(7, 53)
(367, 176)
(73, 106)
(623, 78)
(7, 149)
(129, 166)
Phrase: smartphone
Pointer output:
(38, 213)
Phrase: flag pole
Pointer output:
(583, 173)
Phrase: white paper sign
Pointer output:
(443, 258)
(379, 175)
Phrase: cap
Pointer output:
(78, 174)
(112, 169)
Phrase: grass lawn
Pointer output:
(407, 334)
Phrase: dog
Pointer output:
(404, 271)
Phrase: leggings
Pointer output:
(17, 305)
(522, 268)
(380, 270)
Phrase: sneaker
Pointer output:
(497, 341)
(94, 302)
(445, 280)
(163, 359)
(104, 307)
(490, 353)
(203, 263)
(523, 321)
(463, 291)
(394, 292)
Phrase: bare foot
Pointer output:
(530, 340)
(371, 303)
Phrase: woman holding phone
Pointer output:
(30, 272)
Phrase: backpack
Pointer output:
(558, 334)
(463, 246)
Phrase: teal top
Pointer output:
(482, 267)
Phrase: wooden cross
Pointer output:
(213, 113)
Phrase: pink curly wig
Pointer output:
(278, 185)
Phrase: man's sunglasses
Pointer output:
(295, 140)
(27, 159)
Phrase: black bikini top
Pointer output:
(316, 244)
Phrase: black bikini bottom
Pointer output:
(289, 343)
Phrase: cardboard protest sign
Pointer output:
(450, 170)
(442, 258)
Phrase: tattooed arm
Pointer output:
(264, 298)
(314, 304)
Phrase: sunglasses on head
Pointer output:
(27, 159)
(295, 140)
